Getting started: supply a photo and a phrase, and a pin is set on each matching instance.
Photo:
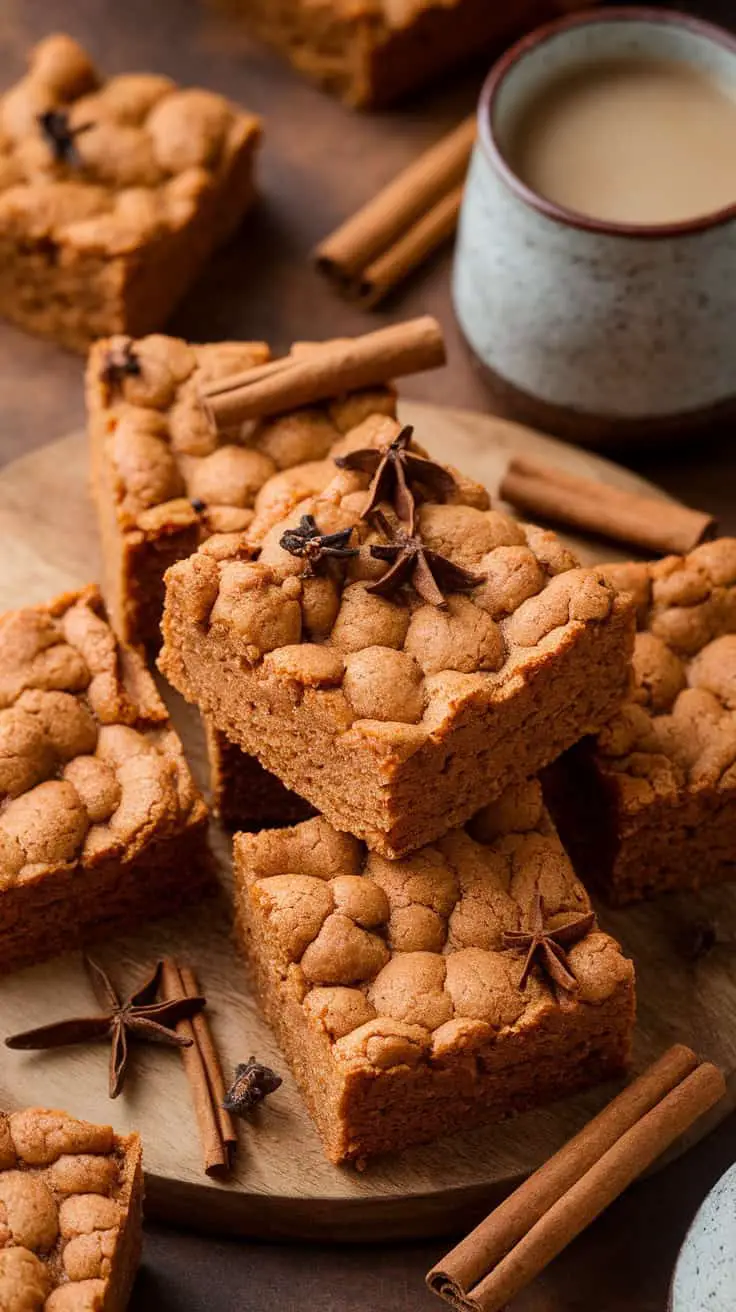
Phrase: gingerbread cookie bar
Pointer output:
(650, 804)
(71, 1197)
(101, 824)
(374, 51)
(245, 796)
(396, 694)
(403, 993)
(113, 194)
(163, 480)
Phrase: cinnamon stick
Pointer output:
(410, 250)
(583, 503)
(385, 230)
(212, 1065)
(554, 1205)
(329, 370)
(214, 1150)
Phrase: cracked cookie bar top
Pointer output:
(113, 194)
(101, 824)
(406, 994)
(395, 713)
(650, 804)
(70, 1213)
(164, 480)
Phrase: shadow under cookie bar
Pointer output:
(367, 58)
(108, 217)
(75, 1192)
(649, 806)
(101, 825)
(400, 1011)
(163, 480)
(393, 718)
(242, 794)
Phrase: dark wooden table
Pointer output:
(320, 162)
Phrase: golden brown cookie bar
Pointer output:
(650, 805)
(113, 194)
(394, 718)
(245, 796)
(101, 824)
(388, 983)
(371, 52)
(164, 481)
(71, 1195)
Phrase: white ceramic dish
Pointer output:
(705, 1275)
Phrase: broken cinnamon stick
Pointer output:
(215, 1152)
(403, 224)
(645, 522)
(558, 1201)
(328, 370)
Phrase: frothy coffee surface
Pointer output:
(631, 141)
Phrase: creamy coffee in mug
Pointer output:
(595, 267)
(630, 140)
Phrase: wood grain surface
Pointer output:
(283, 1186)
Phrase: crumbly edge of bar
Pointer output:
(76, 299)
(675, 844)
(56, 766)
(398, 973)
(126, 1152)
(408, 793)
(373, 62)
(67, 909)
(359, 1115)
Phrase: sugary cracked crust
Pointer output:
(153, 151)
(676, 735)
(401, 962)
(172, 470)
(388, 668)
(89, 767)
(68, 1192)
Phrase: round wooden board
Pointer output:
(283, 1186)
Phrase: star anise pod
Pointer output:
(138, 1017)
(545, 947)
(317, 548)
(120, 362)
(60, 136)
(395, 468)
(429, 573)
(253, 1082)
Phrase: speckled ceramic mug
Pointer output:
(588, 328)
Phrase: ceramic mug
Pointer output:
(589, 328)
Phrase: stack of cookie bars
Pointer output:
(386, 659)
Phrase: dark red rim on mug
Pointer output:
(572, 218)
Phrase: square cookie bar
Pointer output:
(113, 194)
(101, 825)
(395, 712)
(163, 480)
(393, 992)
(650, 804)
(375, 51)
(71, 1197)
(244, 795)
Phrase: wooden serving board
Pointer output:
(283, 1186)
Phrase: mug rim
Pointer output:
(549, 31)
